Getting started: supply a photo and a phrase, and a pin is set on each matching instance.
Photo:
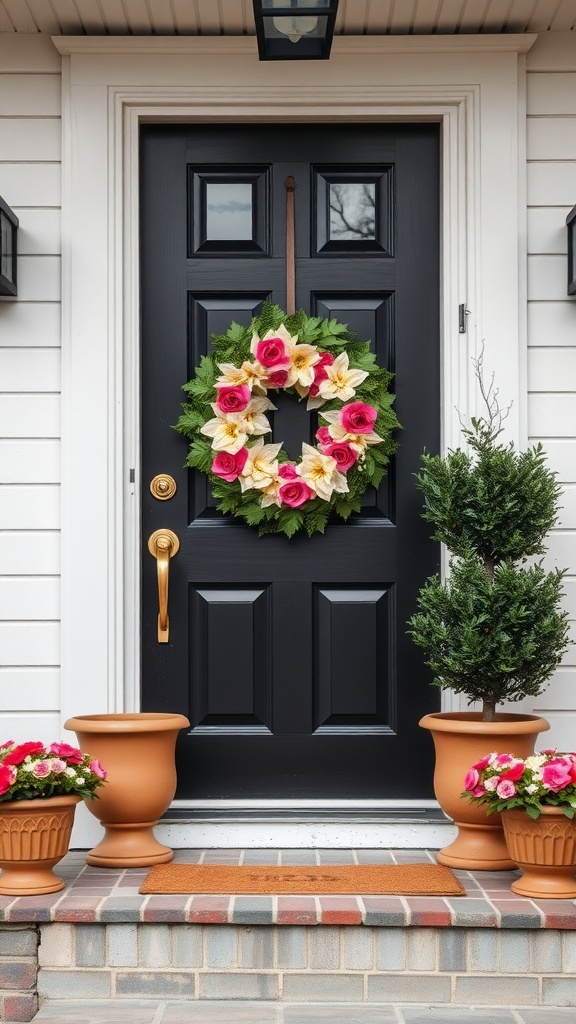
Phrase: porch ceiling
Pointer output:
(234, 17)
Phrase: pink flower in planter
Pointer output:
(7, 777)
(471, 780)
(506, 789)
(556, 774)
(58, 765)
(97, 769)
(72, 754)
(22, 751)
(514, 773)
(504, 759)
(41, 769)
(483, 762)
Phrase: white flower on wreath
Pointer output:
(270, 495)
(340, 381)
(255, 422)
(227, 430)
(320, 472)
(261, 467)
(249, 374)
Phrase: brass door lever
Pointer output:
(163, 545)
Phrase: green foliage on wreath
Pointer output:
(234, 347)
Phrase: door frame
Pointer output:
(474, 86)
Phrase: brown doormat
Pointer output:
(345, 879)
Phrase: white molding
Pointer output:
(471, 88)
(246, 45)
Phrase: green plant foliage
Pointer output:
(494, 630)
(493, 638)
(234, 347)
(493, 500)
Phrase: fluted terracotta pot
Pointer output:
(461, 738)
(137, 751)
(545, 849)
(34, 836)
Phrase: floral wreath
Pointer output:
(225, 418)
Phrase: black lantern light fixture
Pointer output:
(295, 29)
(8, 252)
(571, 225)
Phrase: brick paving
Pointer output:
(246, 1012)
(95, 894)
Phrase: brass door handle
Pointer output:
(163, 545)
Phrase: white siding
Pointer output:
(30, 133)
(551, 180)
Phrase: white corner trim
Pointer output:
(470, 88)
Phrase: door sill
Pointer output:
(305, 827)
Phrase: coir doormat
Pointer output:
(345, 879)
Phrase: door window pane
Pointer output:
(352, 211)
(228, 211)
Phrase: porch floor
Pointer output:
(110, 895)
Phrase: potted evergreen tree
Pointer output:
(494, 629)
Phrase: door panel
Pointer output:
(290, 657)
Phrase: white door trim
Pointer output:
(472, 85)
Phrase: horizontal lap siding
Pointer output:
(30, 181)
(551, 186)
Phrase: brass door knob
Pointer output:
(163, 486)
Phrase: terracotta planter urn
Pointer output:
(137, 751)
(461, 738)
(545, 849)
(34, 836)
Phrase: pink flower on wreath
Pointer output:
(556, 775)
(295, 493)
(22, 751)
(228, 466)
(358, 418)
(320, 374)
(72, 754)
(472, 779)
(97, 769)
(278, 378)
(324, 436)
(506, 789)
(233, 399)
(272, 353)
(344, 455)
(7, 777)
(287, 471)
(58, 765)
(41, 769)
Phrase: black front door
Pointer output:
(290, 657)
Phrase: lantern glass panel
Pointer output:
(6, 261)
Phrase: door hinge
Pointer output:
(462, 314)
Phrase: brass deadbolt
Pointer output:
(163, 486)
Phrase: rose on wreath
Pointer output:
(33, 770)
(312, 358)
